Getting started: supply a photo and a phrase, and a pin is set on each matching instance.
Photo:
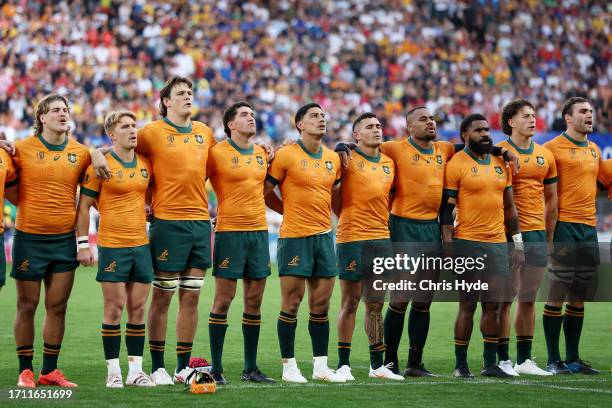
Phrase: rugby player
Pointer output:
(177, 148)
(306, 173)
(237, 169)
(363, 209)
(481, 187)
(50, 165)
(125, 269)
(576, 254)
(535, 196)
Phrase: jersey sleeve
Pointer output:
(91, 185)
(551, 175)
(452, 178)
(278, 168)
(387, 149)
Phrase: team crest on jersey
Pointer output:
(259, 160)
(593, 153)
(540, 160)
(72, 158)
(439, 159)
(25, 265)
(112, 267)
(144, 173)
(499, 170)
(40, 155)
(386, 169)
(329, 165)
(199, 139)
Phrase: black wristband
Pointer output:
(506, 156)
(342, 147)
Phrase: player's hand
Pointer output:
(268, 149)
(100, 165)
(517, 258)
(213, 222)
(509, 156)
(85, 257)
(344, 150)
(286, 142)
(149, 212)
(8, 146)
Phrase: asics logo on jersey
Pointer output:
(295, 261)
(351, 266)
(25, 265)
(225, 263)
(163, 256)
(112, 267)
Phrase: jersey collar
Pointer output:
(317, 155)
(486, 161)
(130, 165)
(248, 150)
(528, 150)
(419, 148)
(576, 142)
(180, 129)
(52, 147)
(373, 159)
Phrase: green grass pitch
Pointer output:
(83, 361)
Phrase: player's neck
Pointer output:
(370, 151)
(521, 141)
(423, 144)
(312, 143)
(577, 136)
(242, 141)
(182, 121)
(53, 138)
(126, 155)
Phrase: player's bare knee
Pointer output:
(26, 307)
(188, 300)
(375, 307)
(57, 309)
(221, 305)
(350, 304)
(136, 314)
(112, 314)
(319, 306)
(467, 308)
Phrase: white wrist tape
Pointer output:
(83, 242)
(518, 242)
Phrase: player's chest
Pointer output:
(125, 180)
(308, 171)
(419, 166)
(186, 148)
(242, 168)
(578, 160)
(44, 165)
(368, 175)
(482, 179)
(533, 167)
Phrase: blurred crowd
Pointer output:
(349, 55)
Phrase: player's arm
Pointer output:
(551, 209)
(99, 162)
(449, 200)
(84, 256)
(512, 224)
(337, 199)
(11, 192)
(273, 201)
